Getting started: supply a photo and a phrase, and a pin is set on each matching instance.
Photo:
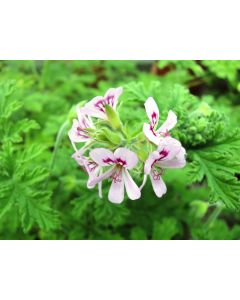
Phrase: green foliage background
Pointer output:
(43, 192)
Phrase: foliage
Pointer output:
(43, 194)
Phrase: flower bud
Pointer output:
(113, 117)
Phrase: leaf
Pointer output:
(35, 210)
(219, 163)
(166, 229)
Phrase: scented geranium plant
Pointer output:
(107, 152)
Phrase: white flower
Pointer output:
(96, 107)
(120, 162)
(169, 155)
(78, 133)
(149, 130)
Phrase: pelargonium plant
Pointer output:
(110, 153)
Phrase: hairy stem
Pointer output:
(57, 143)
(214, 215)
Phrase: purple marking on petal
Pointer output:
(154, 118)
(121, 161)
(110, 100)
(152, 129)
(109, 161)
(162, 154)
(100, 105)
(81, 132)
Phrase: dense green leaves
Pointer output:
(22, 181)
(43, 193)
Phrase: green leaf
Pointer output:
(219, 163)
(166, 229)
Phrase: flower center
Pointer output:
(121, 162)
(165, 134)
(157, 174)
(117, 175)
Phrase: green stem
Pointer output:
(214, 215)
(57, 143)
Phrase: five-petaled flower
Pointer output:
(155, 135)
(96, 107)
(79, 131)
(169, 154)
(119, 162)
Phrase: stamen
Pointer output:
(117, 176)
(157, 175)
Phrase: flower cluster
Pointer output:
(110, 153)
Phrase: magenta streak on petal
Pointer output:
(110, 100)
(152, 129)
(100, 105)
(154, 118)
(162, 154)
(109, 161)
(81, 132)
(121, 162)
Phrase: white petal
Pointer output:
(152, 111)
(132, 189)
(169, 123)
(169, 148)
(95, 113)
(179, 161)
(95, 108)
(112, 95)
(84, 120)
(93, 181)
(93, 172)
(126, 158)
(102, 157)
(116, 191)
(158, 185)
(79, 158)
(151, 135)
(150, 161)
(75, 135)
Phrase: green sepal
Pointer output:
(113, 117)
(111, 136)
